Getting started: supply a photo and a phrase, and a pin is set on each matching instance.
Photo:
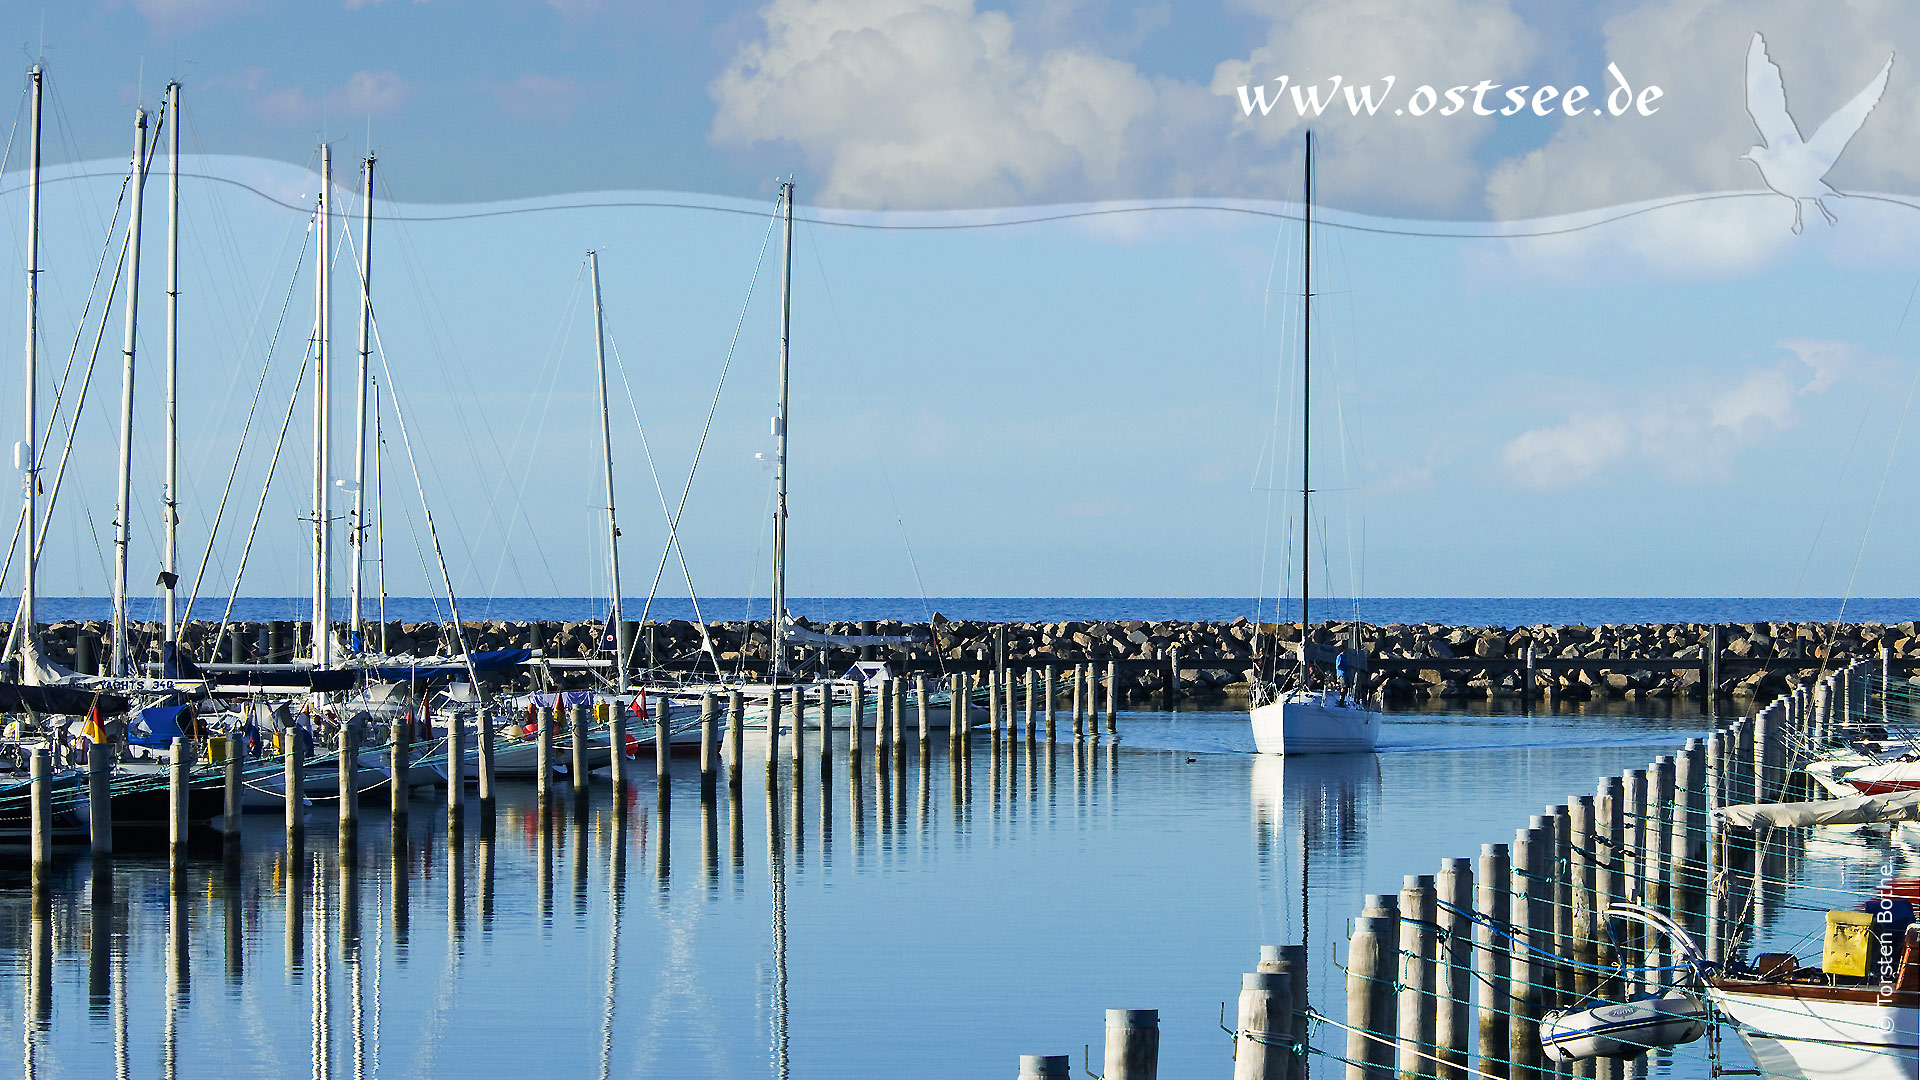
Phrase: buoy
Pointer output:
(1623, 1029)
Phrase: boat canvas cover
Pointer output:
(158, 727)
(1858, 810)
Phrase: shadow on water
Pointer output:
(1003, 894)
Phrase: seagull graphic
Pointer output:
(1789, 165)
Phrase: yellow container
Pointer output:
(217, 749)
(1849, 943)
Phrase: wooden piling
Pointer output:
(1045, 1067)
(1689, 819)
(1371, 976)
(1417, 1020)
(1560, 902)
(921, 713)
(1633, 820)
(826, 737)
(774, 710)
(399, 760)
(1766, 754)
(230, 808)
(1532, 849)
(798, 749)
(1580, 872)
(293, 769)
(856, 720)
(1491, 965)
(40, 798)
(736, 735)
(100, 798)
(1263, 1032)
(993, 708)
(1610, 860)
(457, 771)
(484, 766)
(347, 776)
(1079, 699)
(1133, 1044)
(663, 742)
(1710, 683)
(1453, 967)
(1048, 698)
(1113, 697)
(542, 758)
(709, 745)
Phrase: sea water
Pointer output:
(966, 913)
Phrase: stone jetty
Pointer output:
(1208, 661)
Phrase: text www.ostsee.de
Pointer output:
(1369, 98)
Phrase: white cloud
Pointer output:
(1686, 433)
(365, 93)
(174, 15)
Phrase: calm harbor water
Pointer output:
(952, 921)
(1453, 611)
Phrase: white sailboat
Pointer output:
(1309, 717)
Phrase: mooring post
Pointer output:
(1766, 741)
(347, 776)
(826, 734)
(399, 759)
(663, 743)
(799, 748)
(1173, 677)
(993, 708)
(1418, 981)
(1742, 771)
(293, 779)
(230, 806)
(922, 713)
(1371, 1023)
(1263, 1033)
(736, 734)
(542, 757)
(709, 746)
(1492, 967)
(1113, 697)
(1822, 719)
(179, 770)
(1560, 901)
(1532, 847)
(1580, 871)
(484, 766)
(1047, 699)
(1610, 858)
(1453, 968)
(457, 771)
(1045, 1067)
(40, 796)
(1133, 1044)
(882, 705)
(774, 710)
(1710, 682)
(1633, 814)
(1531, 686)
(856, 719)
(899, 689)
(100, 797)
(1079, 698)
(1690, 817)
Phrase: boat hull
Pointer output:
(1314, 723)
(1625, 1029)
(1794, 1034)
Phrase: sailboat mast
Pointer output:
(170, 504)
(30, 456)
(1306, 400)
(379, 522)
(356, 535)
(606, 447)
(122, 518)
(322, 498)
(780, 442)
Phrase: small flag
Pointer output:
(640, 706)
(94, 731)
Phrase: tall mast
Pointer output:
(122, 516)
(322, 497)
(780, 442)
(30, 453)
(606, 446)
(356, 534)
(379, 521)
(1306, 398)
(170, 504)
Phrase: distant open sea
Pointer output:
(1455, 611)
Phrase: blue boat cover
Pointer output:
(157, 727)
(481, 661)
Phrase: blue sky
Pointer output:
(1691, 400)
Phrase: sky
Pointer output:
(1580, 354)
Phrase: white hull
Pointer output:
(1826, 1040)
(1314, 723)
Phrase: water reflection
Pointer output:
(792, 968)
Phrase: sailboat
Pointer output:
(1311, 716)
